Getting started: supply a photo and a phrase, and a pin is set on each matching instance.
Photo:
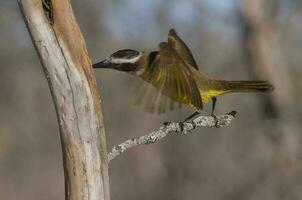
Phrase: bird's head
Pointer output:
(126, 60)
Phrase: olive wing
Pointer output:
(181, 48)
(173, 79)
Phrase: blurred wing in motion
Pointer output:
(181, 48)
(172, 79)
(152, 100)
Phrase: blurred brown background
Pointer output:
(257, 157)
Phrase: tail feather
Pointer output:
(246, 86)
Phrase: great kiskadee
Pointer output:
(173, 71)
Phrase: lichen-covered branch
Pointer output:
(172, 128)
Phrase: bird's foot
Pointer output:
(216, 120)
(187, 125)
(182, 125)
(233, 113)
(166, 123)
(187, 121)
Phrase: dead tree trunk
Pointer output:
(61, 48)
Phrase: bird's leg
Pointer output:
(192, 116)
(187, 119)
(214, 99)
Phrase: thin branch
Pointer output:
(172, 128)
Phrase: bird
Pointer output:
(174, 73)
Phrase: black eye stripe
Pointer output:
(125, 53)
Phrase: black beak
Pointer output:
(103, 64)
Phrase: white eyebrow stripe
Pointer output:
(124, 60)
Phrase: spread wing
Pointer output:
(173, 79)
(181, 48)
